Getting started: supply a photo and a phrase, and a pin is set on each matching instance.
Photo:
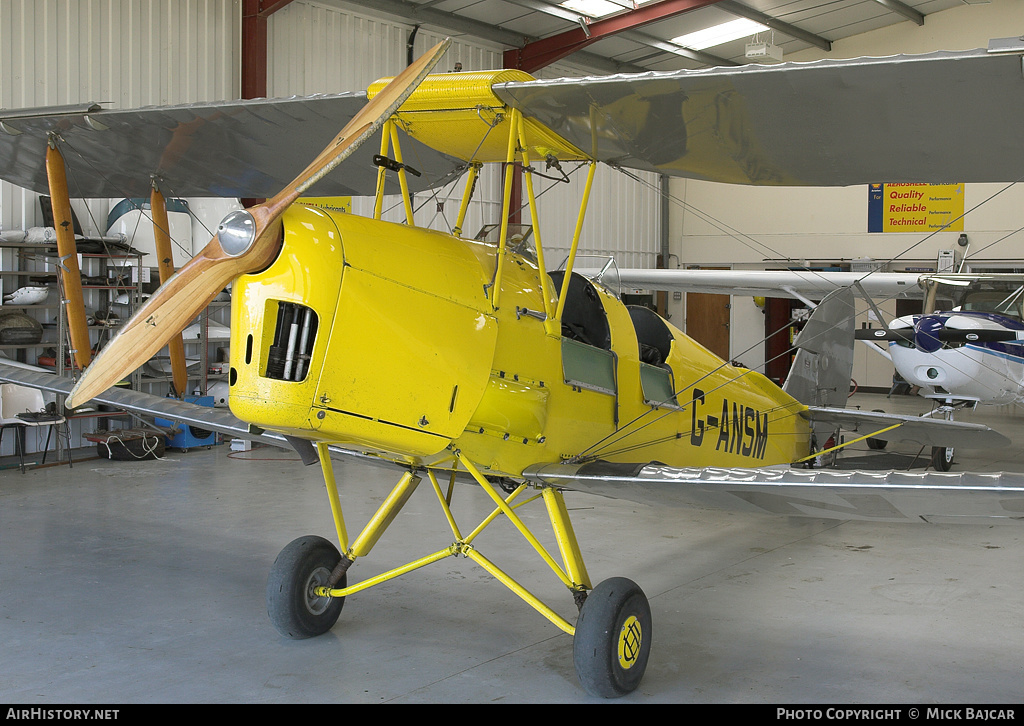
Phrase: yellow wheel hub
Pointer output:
(630, 640)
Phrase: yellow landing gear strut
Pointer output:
(308, 582)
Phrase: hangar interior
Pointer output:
(166, 559)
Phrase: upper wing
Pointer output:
(251, 148)
(873, 496)
(775, 283)
(824, 123)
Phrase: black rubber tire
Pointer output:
(305, 563)
(613, 638)
(942, 458)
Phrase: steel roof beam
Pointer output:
(903, 9)
(540, 53)
(411, 12)
(669, 47)
(557, 11)
(741, 10)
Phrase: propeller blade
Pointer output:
(906, 334)
(953, 335)
(946, 335)
(246, 241)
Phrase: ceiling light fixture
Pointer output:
(600, 8)
(592, 8)
(718, 34)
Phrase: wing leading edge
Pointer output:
(799, 284)
(216, 419)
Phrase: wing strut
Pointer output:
(575, 241)
(545, 281)
(71, 273)
(165, 264)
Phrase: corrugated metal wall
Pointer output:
(622, 220)
(123, 53)
(314, 48)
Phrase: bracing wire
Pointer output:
(624, 432)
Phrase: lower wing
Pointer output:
(181, 412)
(968, 498)
(912, 429)
(888, 496)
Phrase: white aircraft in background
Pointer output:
(970, 353)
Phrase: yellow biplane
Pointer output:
(454, 359)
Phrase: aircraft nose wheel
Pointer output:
(942, 458)
(613, 638)
(294, 609)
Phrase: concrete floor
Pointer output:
(125, 582)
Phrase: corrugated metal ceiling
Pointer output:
(796, 25)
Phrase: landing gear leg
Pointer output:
(612, 636)
(942, 456)
(611, 641)
(308, 581)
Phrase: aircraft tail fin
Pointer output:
(823, 366)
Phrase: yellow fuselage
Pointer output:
(382, 338)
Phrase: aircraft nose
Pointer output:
(926, 333)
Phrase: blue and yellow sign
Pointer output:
(915, 207)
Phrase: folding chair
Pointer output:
(24, 407)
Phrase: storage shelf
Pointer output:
(22, 346)
(96, 268)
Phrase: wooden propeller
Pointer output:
(246, 241)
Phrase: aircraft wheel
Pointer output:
(613, 638)
(306, 563)
(942, 458)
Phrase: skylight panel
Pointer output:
(718, 34)
(592, 8)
